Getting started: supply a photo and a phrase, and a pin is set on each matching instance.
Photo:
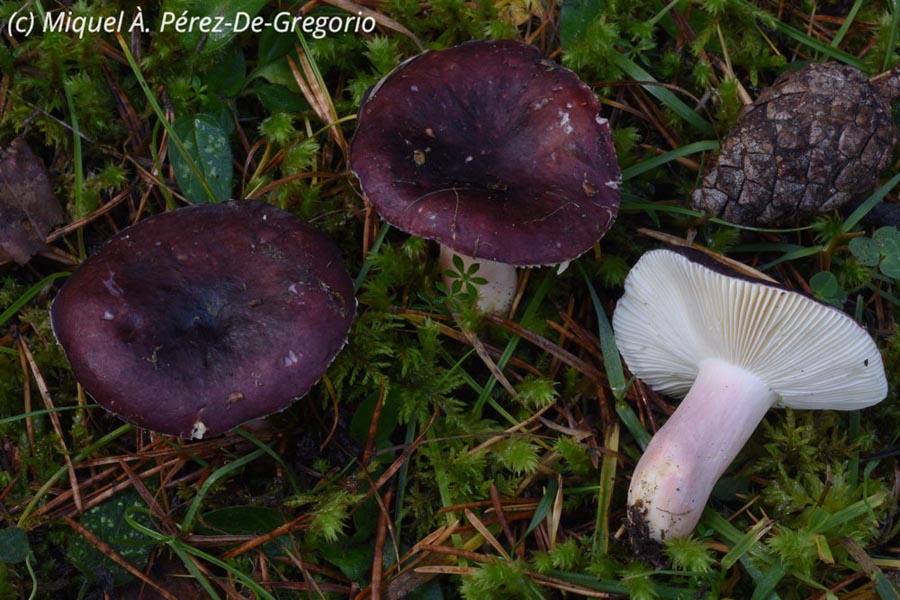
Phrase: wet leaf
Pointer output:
(206, 144)
(107, 522)
(28, 208)
(354, 560)
(13, 545)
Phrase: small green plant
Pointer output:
(689, 554)
(500, 580)
(331, 511)
(882, 250)
(464, 282)
(825, 287)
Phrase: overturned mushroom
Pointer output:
(736, 347)
(494, 151)
(196, 320)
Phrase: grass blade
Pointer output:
(607, 487)
(212, 479)
(529, 314)
(849, 513)
(863, 209)
(611, 361)
(161, 115)
(667, 157)
(823, 48)
(663, 94)
(892, 37)
(43, 411)
(845, 26)
(632, 423)
(801, 253)
(544, 506)
(373, 250)
(29, 294)
(745, 543)
(765, 587)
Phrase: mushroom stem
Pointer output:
(497, 294)
(683, 461)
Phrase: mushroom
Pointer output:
(736, 347)
(194, 321)
(494, 151)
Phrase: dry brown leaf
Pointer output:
(28, 208)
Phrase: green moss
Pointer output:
(688, 554)
(502, 580)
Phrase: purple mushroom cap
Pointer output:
(491, 149)
(196, 320)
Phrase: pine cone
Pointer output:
(809, 143)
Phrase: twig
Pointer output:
(288, 527)
(384, 521)
(489, 363)
(54, 419)
(168, 525)
(733, 264)
(114, 556)
(373, 427)
(548, 346)
(311, 86)
(504, 523)
(334, 404)
(380, 18)
(486, 534)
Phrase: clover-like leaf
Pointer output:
(865, 250)
(890, 266)
(825, 287)
(887, 239)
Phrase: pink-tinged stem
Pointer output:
(676, 474)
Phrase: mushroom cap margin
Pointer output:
(491, 149)
(194, 321)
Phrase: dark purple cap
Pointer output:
(492, 149)
(196, 320)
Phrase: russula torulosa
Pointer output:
(493, 150)
(733, 347)
(196, 320)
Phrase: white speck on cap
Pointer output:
(198, 431)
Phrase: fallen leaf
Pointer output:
(28, 208)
